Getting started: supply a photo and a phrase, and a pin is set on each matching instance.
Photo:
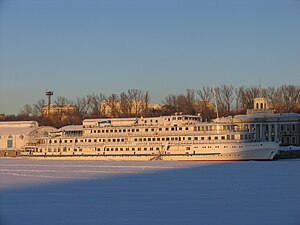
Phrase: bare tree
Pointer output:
(274, 97)
(205, 103)
(135, 96)
(170, 104)
(26, 111)
(190, 100)
(61, 101)
(94, 104)
(83, 106)
(228, 97)
(145, 97)
(112, 102)
(37, 108)
(125, 105)
(290, 97)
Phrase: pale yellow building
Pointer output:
(136, 108)
(58, 109)
(15, 135)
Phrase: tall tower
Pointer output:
(49, 94)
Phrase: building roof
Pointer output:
(71, 127)
(275, 115)
(18, 123)
(16, 130)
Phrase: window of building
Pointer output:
(287, 140)
(293, 127)
(10, 142)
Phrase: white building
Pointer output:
(14, 135)
(267, 125)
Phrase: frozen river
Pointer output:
(141, 193)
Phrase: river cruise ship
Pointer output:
(176, 137)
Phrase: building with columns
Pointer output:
(15, 135)
(268, 125)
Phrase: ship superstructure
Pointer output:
(176, 137)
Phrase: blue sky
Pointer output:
(81, 47)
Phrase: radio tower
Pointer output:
(49, 94)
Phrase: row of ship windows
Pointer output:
(128, 149)
(227, 137)
(175, 128)
(138, 130)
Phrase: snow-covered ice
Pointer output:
(156, 192)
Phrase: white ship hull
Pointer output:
(252, 151)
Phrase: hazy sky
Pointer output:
(79, 47)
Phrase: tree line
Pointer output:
(227, 99)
